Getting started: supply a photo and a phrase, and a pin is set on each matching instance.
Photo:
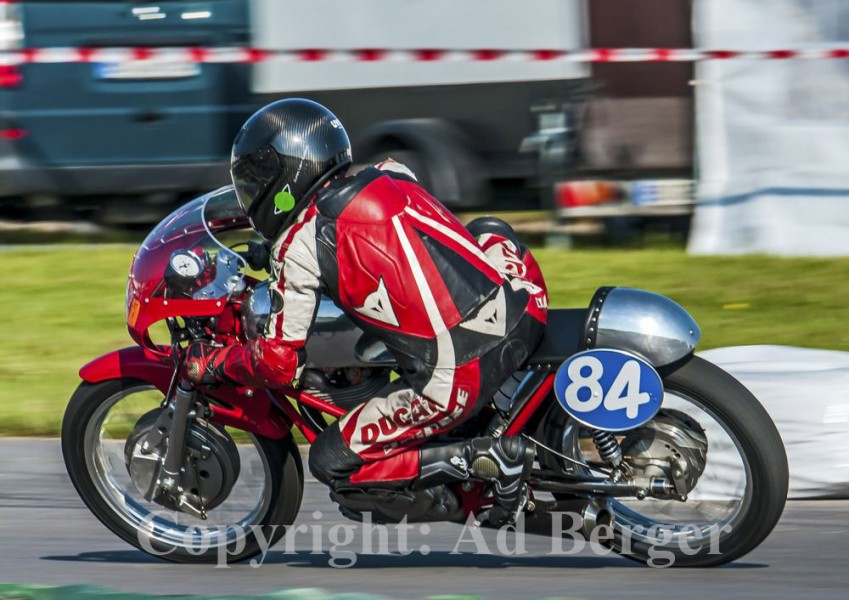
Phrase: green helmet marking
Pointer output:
(284, 201)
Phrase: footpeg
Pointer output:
(505, 462)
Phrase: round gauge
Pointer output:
(186, 264)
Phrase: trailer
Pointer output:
(633, 165)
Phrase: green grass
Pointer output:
(736, 300)
(64, 306)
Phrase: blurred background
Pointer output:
(122, 143)
(626, 172)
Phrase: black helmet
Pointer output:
(282, 155)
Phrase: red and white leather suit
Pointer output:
(459, 314)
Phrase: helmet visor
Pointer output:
(254, 176)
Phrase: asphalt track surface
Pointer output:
(47, 536)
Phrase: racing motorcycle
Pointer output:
(631, 430)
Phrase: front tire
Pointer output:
(282, 465)
(759, 444)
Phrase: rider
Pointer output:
(460, 309)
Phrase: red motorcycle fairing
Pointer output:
(243, 409)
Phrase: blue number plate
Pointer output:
(608, 389)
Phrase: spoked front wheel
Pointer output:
(251, 485)
(733, 456)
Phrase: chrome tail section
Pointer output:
(648, 324)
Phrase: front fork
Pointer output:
(171, 431)
(175, 452)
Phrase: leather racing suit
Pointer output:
(460, 315)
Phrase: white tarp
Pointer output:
(806, 392)
(773, 135)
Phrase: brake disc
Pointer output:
(209, 471)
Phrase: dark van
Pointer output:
(75, 134)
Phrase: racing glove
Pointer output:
(258, 256)
(204, 363)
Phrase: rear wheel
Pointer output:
(738, 497)
(261, 498)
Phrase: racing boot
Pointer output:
(504, 461)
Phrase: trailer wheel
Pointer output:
(411, 159)
(437, 152)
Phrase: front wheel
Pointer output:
(734, 503)
(252, 484)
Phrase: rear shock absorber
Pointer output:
(608, 448)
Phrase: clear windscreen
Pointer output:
(192, 253)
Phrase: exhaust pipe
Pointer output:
(586, 515)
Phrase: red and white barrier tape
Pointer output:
(256, 55)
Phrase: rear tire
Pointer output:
(739, 411)
(282, 456)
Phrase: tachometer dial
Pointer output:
(186, 264)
